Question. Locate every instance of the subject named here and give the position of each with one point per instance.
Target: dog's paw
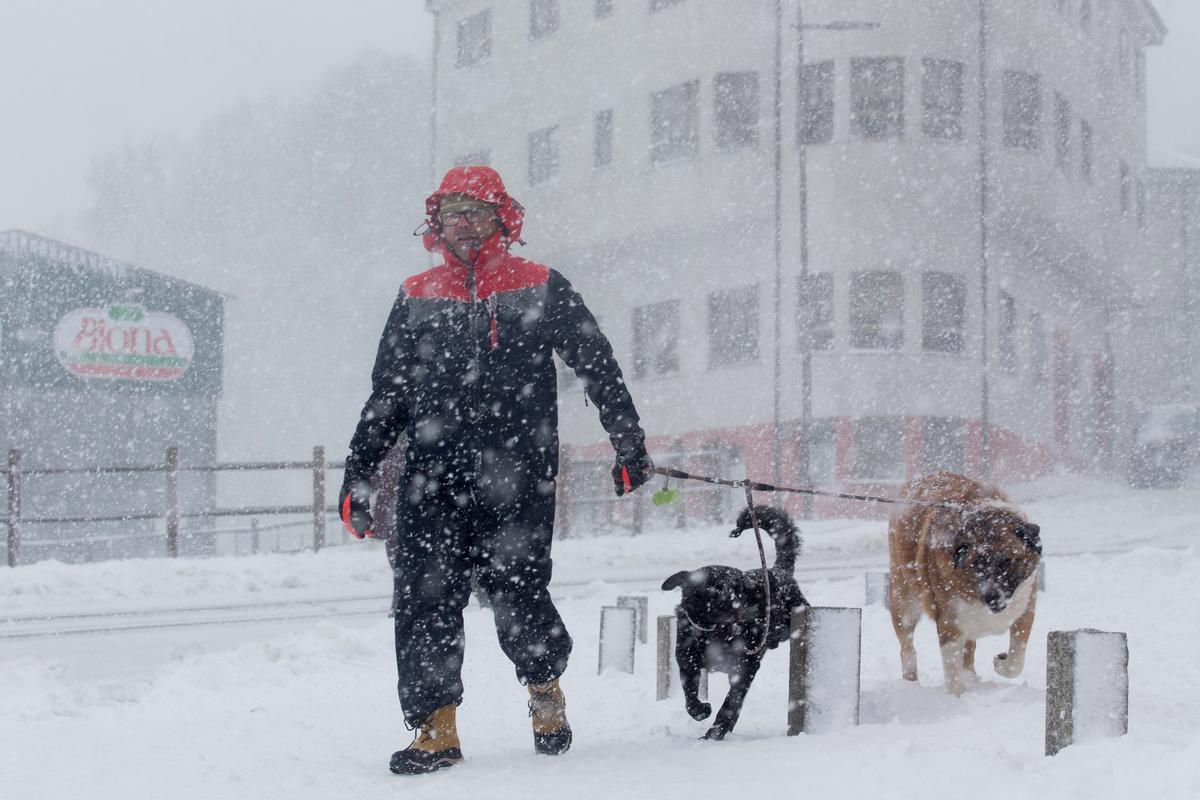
(1007, 667)
(714, 734)
(699, 710)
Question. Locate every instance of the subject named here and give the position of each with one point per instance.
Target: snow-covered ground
(273, 677)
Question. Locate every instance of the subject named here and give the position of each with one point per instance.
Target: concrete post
(1087, 687)
(618, 629)
(826, 653)
(641, 605)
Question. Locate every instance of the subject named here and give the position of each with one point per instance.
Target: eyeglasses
(473, 215)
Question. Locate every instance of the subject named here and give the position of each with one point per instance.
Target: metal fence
(170, 512)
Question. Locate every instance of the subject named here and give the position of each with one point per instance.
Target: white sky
(81, 76)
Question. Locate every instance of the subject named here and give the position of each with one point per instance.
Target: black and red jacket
(465, 366)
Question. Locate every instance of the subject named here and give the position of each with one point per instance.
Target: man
(465, 371)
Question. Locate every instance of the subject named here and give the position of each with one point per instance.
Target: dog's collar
(695, 624)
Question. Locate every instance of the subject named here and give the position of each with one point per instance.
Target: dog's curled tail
(779, 525)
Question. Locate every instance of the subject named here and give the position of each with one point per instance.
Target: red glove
(355, 507)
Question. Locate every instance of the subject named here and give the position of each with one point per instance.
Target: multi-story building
(840, 241)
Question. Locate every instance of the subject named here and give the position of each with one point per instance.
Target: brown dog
(969, 562)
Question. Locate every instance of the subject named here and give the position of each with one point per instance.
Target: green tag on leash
(665, 497)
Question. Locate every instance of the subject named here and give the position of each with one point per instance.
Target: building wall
(633, 232)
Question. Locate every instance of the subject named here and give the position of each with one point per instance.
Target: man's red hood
(481, 183)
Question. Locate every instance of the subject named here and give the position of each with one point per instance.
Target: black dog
(722, 618)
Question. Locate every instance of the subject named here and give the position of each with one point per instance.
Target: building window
(1062, 133)
(733, 327)
(736, 97)
(1022, 110)
(474, 39)
(816, 310)
(943, 311)
(877, 310)
(822, 453)
(602, 138)
(659, 5)
(815, 118)
(603, 8)
(941, 98)
(945, 444)
(656, 339)
(543, 18)
(543, 155)
(877, 449)
(877, 98)
(479, 158)
(1039, 352)
(675, 123)
(1086, 158)
(1007, 340)
(1125, 189)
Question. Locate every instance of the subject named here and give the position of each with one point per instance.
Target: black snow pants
(442, 537)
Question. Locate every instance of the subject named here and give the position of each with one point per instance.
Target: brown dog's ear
(676, 581)
(1030, 534)
(962, 548)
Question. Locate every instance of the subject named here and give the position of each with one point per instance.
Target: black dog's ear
(962, 548)
(1029, 534)
(677, 581)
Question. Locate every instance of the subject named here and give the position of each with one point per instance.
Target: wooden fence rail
(171, 514)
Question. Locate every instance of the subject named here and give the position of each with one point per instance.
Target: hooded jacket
(465, 365)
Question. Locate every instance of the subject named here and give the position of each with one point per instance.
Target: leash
(750, 487)
(758, 486)
(762, 557)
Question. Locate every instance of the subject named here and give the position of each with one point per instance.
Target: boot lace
(547, 708)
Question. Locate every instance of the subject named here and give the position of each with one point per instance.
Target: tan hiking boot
(548, 710)
(435, 746)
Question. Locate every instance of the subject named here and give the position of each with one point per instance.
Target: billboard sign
(123, 341)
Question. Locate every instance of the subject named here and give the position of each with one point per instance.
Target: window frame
(545, 18)
(1022, 110)
(645, 325)
(876, 118)
(602, 138)
(943, 332)
(1062, 133)
(735, 118)
(941, 121)
(811, 128)
(936, 428)
(893, 458)
(725, 308)
(870, 332)
(815, 297)
(543, 141)
(482, 53)
(1006, 331)
(670, 142)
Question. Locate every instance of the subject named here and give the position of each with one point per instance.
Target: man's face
(466, 224)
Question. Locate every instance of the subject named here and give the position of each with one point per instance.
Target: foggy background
(278, 152)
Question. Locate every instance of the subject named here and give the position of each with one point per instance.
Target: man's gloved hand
(631, 471)
(354, 504)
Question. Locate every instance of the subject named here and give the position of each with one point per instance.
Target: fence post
(666, 656)
(14, 504)
(172, 470)
(563, 491)
(318, 497)
(254, 543)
